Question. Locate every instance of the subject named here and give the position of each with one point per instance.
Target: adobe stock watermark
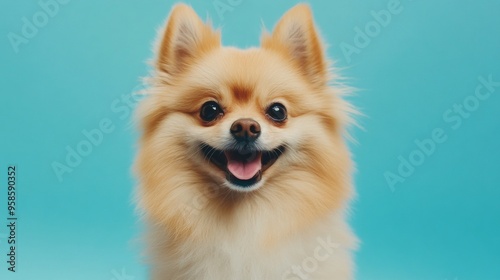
(324, 250)
(364, 36)
(453, 118)
(122, 275)
(122, 108)
(192, 209)
(31, 25)
(223, 6)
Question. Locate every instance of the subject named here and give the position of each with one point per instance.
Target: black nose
(245, 130)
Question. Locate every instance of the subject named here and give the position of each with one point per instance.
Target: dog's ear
(185, 38)
(296, 37)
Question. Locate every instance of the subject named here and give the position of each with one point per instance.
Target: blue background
(442, 222)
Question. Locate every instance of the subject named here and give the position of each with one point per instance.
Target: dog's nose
(245, 130)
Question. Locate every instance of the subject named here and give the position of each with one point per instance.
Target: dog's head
(261, 120)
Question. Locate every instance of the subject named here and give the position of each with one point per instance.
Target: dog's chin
(243, 169)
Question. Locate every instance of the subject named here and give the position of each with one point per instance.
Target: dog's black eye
(210, 111)
(277, 112)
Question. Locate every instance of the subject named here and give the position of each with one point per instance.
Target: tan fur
(199, 228)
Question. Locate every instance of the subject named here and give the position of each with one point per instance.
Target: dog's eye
(210, 111)
(277, 112)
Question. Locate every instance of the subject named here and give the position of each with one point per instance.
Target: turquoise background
(442, 222)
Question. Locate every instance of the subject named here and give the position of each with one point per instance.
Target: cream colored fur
(200, 226)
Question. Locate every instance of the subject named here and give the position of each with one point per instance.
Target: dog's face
(255, 120)
(243, 116)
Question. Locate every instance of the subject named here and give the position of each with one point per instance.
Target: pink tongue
(244, 170)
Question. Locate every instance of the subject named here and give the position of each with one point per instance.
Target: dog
(243, 168)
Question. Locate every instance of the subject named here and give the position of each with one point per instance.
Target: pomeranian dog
(243, 166)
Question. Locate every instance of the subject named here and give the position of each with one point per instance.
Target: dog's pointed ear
(185, 38)
(296, 37)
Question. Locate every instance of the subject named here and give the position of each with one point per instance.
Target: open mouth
(243, 168)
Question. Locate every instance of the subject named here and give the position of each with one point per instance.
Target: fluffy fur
(289, 225)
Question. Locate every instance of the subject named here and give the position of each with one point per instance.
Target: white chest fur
(324, 252)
